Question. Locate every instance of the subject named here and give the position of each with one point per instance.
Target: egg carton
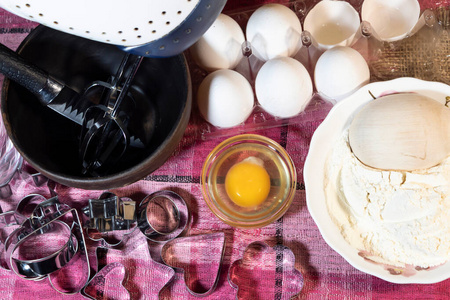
(420, 52)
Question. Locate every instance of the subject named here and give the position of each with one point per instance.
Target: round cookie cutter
(162, 216)
(38, 268)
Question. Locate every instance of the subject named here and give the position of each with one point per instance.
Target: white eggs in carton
(220, 46)
(225, 98)
(274, 30)
(281, 65)
(283, 87)
(340, 71)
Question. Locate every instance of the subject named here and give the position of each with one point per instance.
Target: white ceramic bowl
(324, 139)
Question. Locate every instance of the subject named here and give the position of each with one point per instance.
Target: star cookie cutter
(49, 220)
(199, 258)
(265, 273)
(162, 216)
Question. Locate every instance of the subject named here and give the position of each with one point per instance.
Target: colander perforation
(109, 21)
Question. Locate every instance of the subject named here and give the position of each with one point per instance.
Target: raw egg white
(225, 98)
(247, 183)
(274, 30)
(340, 71)
(283, 87)
(221, 45)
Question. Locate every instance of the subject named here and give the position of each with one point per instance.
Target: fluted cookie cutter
(162, 216)
(199, 258)
(265, 272)
(48, 218)
(110, 213)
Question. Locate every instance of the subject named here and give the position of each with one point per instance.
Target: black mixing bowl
(50, 142)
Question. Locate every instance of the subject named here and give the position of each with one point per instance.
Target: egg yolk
(247, 184)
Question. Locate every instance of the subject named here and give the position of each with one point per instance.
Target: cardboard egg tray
(422, 53)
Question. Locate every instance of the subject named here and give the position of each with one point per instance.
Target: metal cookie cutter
(201, 267)
(162, 216)
(114, 273)
(97, 284)
(15, 218)
(110, 213)
(48, 218)
(265, 272)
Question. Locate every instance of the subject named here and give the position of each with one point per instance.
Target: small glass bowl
(279, 166)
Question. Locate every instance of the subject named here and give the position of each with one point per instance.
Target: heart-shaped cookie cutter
(90, 290)
(203, 246)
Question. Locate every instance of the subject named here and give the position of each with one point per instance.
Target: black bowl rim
(125, 177)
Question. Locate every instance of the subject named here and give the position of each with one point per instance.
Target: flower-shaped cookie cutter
(265, 273)
(66, 244)
(199, 258)
(162, 216)
(110, 213)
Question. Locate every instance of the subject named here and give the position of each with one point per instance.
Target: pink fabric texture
(326, 274)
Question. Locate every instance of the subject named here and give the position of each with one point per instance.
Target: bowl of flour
(390, 224)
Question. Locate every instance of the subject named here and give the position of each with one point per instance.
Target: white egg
(225, 98)
(340, 71)
(274, 30)
(220, 47)
(283, 87)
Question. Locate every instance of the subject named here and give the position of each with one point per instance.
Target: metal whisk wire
(104, 136)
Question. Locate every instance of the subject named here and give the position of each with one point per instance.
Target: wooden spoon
(404, 131)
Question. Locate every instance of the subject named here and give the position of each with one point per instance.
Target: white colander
(142, 27)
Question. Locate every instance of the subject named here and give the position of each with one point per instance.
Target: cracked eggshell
(220, 47)
(274, 30)
(283, 87)
(225, 98)
(340, 71)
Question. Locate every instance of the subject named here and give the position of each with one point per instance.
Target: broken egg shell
(403, 131)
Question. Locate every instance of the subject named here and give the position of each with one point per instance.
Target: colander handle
(34, 79)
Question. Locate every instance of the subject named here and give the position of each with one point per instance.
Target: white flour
(401, 218)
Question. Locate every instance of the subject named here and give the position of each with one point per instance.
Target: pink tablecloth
(326, 274)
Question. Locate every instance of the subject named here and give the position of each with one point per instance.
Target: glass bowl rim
(249, 139)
